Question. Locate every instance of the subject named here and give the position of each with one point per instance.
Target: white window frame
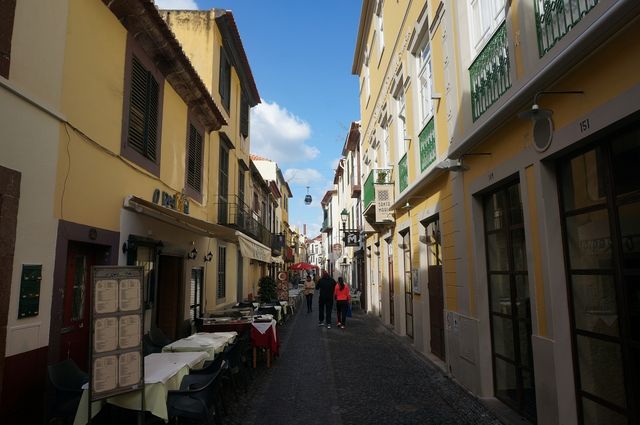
(485, 16)
(425, 84)
(380, 29)
(401, 119)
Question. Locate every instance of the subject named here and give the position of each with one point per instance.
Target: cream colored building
(504, 134)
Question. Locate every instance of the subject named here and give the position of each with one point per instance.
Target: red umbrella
(302, 266)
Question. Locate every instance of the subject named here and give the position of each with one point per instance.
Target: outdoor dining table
(211, 343)
(263, 335)
(162, 372)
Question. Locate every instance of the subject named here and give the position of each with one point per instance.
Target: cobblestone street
(359, 375)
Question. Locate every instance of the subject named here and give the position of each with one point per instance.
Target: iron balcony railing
(403, 173)
(376, 176)
(555, 18)
(277, 243)
(427, 140)
(235, 213)
(489, 73)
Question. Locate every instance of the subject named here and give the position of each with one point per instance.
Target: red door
(74, 340)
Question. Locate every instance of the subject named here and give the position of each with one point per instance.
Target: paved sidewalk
(355, 376)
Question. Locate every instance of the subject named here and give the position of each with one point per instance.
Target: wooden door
(170, 295)
(436, 311)
(74, 339)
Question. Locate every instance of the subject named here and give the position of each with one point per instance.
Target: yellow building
(111, 155)
(506, 136)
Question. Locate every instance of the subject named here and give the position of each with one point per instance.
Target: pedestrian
(325, 299)
(343, 298)
(309, 287)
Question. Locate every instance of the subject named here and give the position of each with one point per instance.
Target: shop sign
(337, 249)
(384, 198)
(178, 201)
(351, 238)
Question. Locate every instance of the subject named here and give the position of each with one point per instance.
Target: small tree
(267, 289)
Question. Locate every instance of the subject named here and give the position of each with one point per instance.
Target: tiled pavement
(359, 375)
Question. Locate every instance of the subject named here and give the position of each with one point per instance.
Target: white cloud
(177, 4)
(279, 135)
(303, 177)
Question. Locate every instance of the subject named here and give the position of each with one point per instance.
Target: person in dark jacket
(325, 301)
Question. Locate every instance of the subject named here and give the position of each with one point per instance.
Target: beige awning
(178, 219)
(253, 249)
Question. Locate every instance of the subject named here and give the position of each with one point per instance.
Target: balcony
(555, 18)
(277, 244)
(403, 173)
(427, 139)
(378, 196)
(376, 176)
(237, 215)
(327, 227)
(489, 73)
(356, 190)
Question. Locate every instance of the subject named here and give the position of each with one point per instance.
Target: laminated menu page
(106, 295)
(105, 334)
(129, 369)
(105, 374)
(129, 294)
(129, 335)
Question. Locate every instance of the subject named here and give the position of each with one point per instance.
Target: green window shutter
(225, 80)
(143, 111)
(194, 159)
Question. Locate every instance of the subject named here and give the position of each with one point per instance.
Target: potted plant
(267, 289)
(381, 177)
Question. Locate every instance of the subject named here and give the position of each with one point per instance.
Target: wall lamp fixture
(208, 257)
(193, 254)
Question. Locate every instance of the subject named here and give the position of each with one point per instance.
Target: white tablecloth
(210, 342)
(162, 372)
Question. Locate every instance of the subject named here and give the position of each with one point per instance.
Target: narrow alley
(363, 374)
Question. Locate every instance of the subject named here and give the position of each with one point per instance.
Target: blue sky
(300, 52)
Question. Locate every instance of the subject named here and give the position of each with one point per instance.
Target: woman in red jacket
(343, 297)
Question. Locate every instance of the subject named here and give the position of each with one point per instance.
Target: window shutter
(143, 111)
(225, 80)
(194, 155)
(244, 116)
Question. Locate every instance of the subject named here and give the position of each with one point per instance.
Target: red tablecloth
(268, 339)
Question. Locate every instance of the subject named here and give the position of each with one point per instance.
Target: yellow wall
(93, 178)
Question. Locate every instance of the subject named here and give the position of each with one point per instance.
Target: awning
(180, 220)
(277, 260)
(253, 249)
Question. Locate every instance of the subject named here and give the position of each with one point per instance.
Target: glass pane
(583, 181)
(524, 335)
(497, 252)
(632, 284)
(529, 394)
(601, 369)
(500, 294)
(523, 302)
(515, 205)
(519, 250)
(597, 414)
(79, 278)
(594, 304)
(506, 384)
(502, 332)
(626, 155)
(494, 210)
(589, 240)
(630, 229)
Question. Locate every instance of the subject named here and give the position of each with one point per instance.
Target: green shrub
(267, 289)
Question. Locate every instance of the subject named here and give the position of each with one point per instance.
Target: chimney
(304, 229)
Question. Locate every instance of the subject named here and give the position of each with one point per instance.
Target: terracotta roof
(142, 18)
(258, 158)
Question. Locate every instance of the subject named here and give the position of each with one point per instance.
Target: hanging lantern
(308, 199)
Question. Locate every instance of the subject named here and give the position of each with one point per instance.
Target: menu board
(116, 331)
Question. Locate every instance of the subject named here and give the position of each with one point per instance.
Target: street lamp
(344, 216)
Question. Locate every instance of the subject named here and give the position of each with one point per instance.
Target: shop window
(195, 292)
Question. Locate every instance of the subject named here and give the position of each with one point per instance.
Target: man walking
(325, 301)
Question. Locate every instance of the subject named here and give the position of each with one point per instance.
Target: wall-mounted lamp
(541, 120)
(208, 257)
(193, 254)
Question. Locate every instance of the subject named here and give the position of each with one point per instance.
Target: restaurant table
(211, 343)
(222, 324)
(162, 372)
(263, 335)
(279, 316)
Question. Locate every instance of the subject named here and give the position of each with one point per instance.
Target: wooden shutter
(143, 111)
(244, 116)
(225, 80)
(194, 159)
